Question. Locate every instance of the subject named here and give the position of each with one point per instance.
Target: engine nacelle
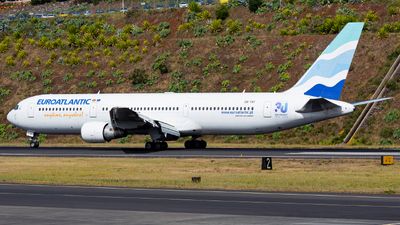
(100, 132)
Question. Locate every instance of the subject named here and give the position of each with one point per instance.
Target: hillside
(191, 51)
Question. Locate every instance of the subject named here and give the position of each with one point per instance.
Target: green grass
(341, 175)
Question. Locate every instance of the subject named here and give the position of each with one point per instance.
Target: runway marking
(395, 197)
(346, 153)
(200, 200)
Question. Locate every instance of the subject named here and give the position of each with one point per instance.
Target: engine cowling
(100, 132)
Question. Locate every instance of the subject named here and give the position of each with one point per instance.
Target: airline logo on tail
(326, 77)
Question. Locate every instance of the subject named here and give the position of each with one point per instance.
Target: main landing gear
(33, 139)
(195, 144)
(156, 145)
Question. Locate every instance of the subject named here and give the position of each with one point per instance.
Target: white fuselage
(190, 113)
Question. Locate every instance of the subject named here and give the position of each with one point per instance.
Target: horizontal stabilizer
(371, 101)
(317, 105)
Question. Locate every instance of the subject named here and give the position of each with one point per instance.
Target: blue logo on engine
(281, 107)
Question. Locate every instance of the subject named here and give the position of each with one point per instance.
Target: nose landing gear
(33, 139)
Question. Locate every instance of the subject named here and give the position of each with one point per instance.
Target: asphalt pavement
(40, 204)
(196, 153)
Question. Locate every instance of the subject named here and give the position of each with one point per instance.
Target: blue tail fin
(326, 77)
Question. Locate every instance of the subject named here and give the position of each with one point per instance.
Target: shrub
(269, 66)
(112, 63)
(333, 26)
(163, 25)
(276, 87)
(370, 16)
(253, 41)
(161, 63)
(222, 12)
(164, 33)
(10, 61)
(234, 26)
(236, 68)
(225, 84)
(392, 116)
(284, 67)
(47, 82)
(23, 75)
(204, 15)
(199, 31)
(178, 84)
(396, 133)
(254, 5)
(138, 77)
(67, 77)
(243, 58)
(223, 41)
(194, 7)
(185, 43)
(4, 92)
(284, 77)
(185, 26)
(216, 26)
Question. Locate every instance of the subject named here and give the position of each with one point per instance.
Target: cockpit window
(16, 107)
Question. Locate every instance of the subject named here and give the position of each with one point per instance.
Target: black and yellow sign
(387, 160)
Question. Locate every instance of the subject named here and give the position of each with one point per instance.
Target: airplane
(100, 118)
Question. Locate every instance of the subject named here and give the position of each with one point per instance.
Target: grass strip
(297, 175)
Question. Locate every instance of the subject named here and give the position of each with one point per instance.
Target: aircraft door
(31, 111)
(185, 109)
(267, 110)
(93, 109)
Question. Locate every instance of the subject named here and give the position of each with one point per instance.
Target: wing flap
(317, 105)
(127, 119)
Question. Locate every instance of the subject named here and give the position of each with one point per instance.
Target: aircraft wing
(126, 119)
(316, 105)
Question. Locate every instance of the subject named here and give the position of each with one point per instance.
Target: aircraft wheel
(34, 144)
(189, 144)
(164, 145)
(202, 144)
(149, 145)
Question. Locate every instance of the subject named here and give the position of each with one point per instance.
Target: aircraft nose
(11, 117)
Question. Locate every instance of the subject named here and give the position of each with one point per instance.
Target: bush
(396, 133)
(3, 93)
(284, 77)
(392, 116)
(334, 25)
(194, 7)
(236, 68)
(222, 12)
(185, 43)
(164, 33)
(138, 77)
(10, 61)
(223, 41)
(67, 77)
(234, 26)
(216, 26)
(161, 63)
(199, 31)
(253, 41)
(23, 75)
(254, 5)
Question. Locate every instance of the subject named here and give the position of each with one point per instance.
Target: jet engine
(100, 132)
